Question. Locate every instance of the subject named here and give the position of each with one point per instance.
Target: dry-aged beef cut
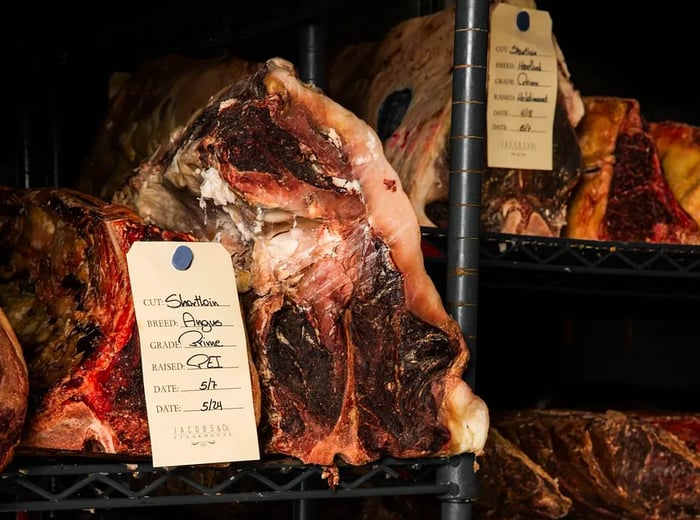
(356, 353)
(145, 107)
(513, 486)
(65, 289)
(612, 465)
(623, 195)
(685, 426)
(534, 202)
(14, 391)
(678, 145)
(402, 86)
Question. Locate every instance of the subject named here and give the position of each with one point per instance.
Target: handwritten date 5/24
(211, 405)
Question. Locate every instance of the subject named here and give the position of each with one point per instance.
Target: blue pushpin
(182, 258)
(522, 20)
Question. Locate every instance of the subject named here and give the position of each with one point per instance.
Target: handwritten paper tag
(522, 89)
(194, 353)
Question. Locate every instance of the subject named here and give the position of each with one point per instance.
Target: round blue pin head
(182, 258)
(522, 20)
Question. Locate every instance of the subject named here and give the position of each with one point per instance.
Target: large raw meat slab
(356, 353)
(65, 289)
(513, 486)
(14, 391)
(402, 86)
(612, 465)
(623, 195)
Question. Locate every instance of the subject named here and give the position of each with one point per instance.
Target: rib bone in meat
(356, 353)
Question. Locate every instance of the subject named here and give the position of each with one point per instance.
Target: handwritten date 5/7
(211, 405)
(208, 385)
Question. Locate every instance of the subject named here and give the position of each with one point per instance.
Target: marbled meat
(612, 465)
(356, 353)
(623, 195)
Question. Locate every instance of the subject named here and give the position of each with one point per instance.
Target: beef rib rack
(356, 353)
(65, 289)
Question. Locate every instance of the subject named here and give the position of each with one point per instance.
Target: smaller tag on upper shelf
(194, 353)
(521, 90)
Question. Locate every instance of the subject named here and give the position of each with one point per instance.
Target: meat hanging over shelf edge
(356, 353)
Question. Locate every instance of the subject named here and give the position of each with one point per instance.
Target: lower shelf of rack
(33, 486)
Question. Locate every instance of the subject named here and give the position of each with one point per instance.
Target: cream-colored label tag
(522, 89)
(194, 353)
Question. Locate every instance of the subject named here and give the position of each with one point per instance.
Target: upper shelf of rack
(568, 265)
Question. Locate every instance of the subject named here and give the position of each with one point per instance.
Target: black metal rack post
(467, 164)
(312, 53)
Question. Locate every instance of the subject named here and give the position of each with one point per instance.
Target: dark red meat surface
(356, 354)
(65, 287)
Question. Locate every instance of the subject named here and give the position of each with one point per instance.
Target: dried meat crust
(357, 355)
(66, 292)
(14, 391)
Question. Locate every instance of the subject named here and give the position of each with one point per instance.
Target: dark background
(629, 49)
(57, 61)
(536, 348)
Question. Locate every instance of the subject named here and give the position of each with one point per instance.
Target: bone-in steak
(623, 195)
(356, 353)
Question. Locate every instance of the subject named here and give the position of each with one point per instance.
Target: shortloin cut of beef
(14, 391)
(612, 465)
(623, 195)
(65, 289)
(356, 353)
(402, 86)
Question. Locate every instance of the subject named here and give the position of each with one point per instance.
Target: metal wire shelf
(569, 265)
(57, 485)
